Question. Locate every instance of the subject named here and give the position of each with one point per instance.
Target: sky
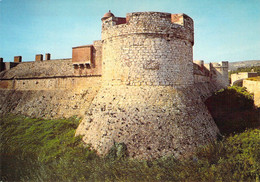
(225, 30)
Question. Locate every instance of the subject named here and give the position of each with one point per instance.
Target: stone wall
(241, 75)
(47, 89)
(149, 50)
(253, 87)
(49, 98)
(220, 74)
(200, 72)
(152, 121)
(213, 74)
(40, 69)
(52, 83)
(148, 99)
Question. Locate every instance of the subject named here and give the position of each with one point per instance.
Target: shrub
(233, 110)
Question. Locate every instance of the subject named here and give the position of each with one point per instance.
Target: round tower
(150, 48)
(147, 100)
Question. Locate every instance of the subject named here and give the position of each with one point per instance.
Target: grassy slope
(46, 150)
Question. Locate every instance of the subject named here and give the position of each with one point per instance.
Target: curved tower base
(152, 121)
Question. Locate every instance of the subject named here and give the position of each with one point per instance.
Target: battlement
(212, 72)
(169, 26)
(223, 64)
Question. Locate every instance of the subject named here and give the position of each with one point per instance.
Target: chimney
(47, 56)
(38, 57)
(1, 60)
(17, 59)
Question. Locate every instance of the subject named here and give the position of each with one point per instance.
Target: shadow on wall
(238, 83)
(233, 110)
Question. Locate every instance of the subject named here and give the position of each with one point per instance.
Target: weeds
(46, 150)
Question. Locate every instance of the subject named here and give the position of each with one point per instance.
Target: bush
(233, 110)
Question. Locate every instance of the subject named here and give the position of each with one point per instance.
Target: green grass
(46, 150)
(257, 78)
(35, 144)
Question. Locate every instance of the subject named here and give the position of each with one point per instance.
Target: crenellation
(17, 59)
(38, 57)
(149, 23)
(47, 56)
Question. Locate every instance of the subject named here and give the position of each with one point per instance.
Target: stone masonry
(147, 100)
(253, 86)
(138, 85)
(237, 78)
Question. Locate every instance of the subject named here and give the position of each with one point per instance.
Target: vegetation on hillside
(246, 69)
(233, 110)
(46, 150)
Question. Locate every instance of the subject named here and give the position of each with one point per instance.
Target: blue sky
(225, 30)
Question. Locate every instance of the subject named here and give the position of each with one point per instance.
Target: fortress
(138, 85)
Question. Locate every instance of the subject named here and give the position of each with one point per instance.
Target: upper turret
(147, 48)
(107, 15)
(171, 25)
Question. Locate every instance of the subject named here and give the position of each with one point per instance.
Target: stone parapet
(253, 87)
(161, 24)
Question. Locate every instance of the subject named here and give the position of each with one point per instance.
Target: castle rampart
(148, 99)
(137, 86)
(216, 73)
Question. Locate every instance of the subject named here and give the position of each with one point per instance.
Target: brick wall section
(93, 53)
(82, 54)
(47, 56)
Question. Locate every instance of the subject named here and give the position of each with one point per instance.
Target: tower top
(107, 15)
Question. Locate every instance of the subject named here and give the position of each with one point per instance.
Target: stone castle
(138, 85)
